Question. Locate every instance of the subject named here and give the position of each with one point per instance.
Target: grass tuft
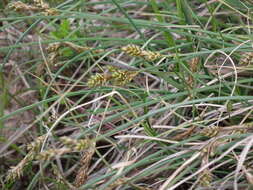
(117, 94)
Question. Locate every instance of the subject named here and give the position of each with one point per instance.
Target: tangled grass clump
(145, 95)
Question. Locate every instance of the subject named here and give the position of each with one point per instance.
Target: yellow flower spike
(111, 69)
(96, 80)
(121, 77)
(116, 77)
(134, 50)
(151, 56)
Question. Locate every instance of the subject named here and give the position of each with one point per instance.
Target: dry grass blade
(210, 163)
(172, 176)
(241, 160)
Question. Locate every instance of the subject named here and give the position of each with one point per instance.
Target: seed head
(96, 80)
(134, 50)
(211, 131)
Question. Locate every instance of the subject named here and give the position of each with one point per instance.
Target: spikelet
(39, 6)
(205, 178)
(35, 145)
(22, 7)
(81, 145)
(53, 47)
(247, 58)
(134, 50)
(97, 80)
(54, 53)
(211, 131)
(68, 141)
(112, 69)
(239, 131)
(71, 145)
(121, 77)
(193, 65)
(76, 145)
(17, 171)
(236, 129)
(151, 56)
(51, 153)
(82, 173)
(51, 12)
(117, 77)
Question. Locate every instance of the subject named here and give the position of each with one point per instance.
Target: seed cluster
(121, 77)
(82, 173)
(38, 6)
(17, 171)
(71, 145)
(116, 77)
(211, 131)
(247, 58)
(54, 53)
(76, 145)
(51, 153)
(97, 80)
(205, 178)
(134, 50)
